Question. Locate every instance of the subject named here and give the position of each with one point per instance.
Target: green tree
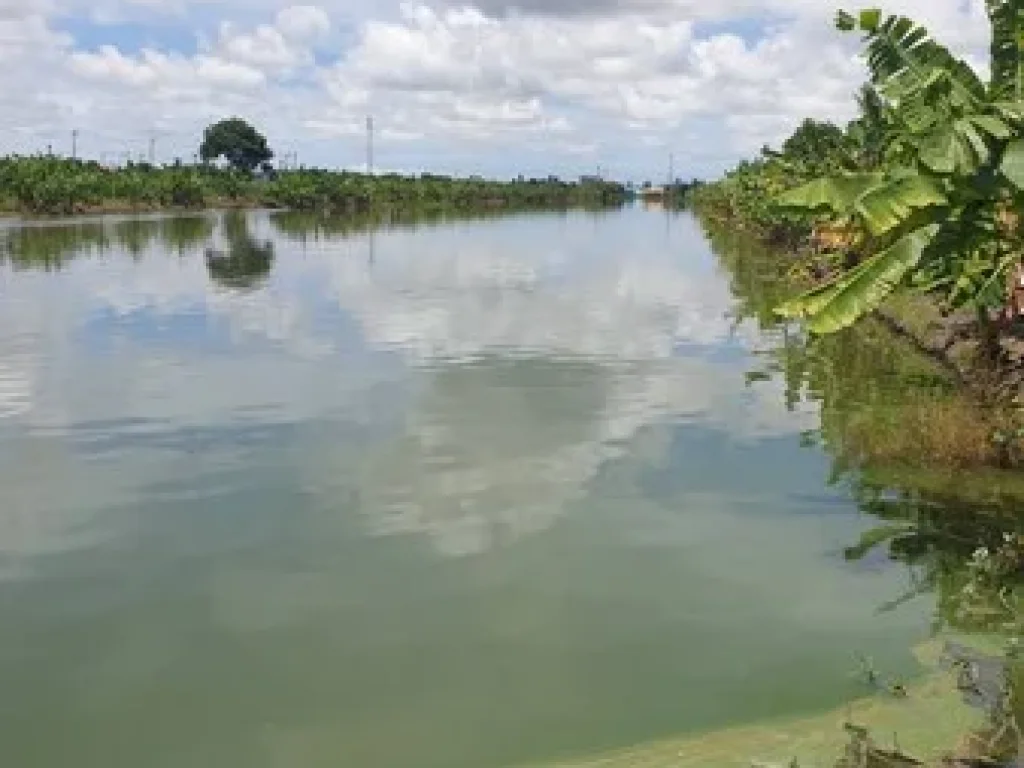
(238, 142)
(816, 146)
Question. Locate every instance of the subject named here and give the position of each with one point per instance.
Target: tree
(815, 146)
(239, 143)
(939, 211)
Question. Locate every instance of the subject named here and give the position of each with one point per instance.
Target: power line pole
(369, 144)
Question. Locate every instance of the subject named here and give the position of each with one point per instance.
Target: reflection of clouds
(19, 356)
(537, 357)
(493, 452)
(487, 462)
(169, 287)
(446, 304)
(15, 384)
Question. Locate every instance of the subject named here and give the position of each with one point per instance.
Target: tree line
(244, 177)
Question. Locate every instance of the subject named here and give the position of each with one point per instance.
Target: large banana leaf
(962, 146)
(860, 291)
(1012, 166)
(897, 46)
(837, 193)
(883, 203)
(1010, 110)
(885, 207)
(1007, 61)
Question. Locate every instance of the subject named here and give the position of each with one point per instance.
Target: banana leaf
(861, 290)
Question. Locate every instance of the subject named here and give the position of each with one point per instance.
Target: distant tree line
(44, 184)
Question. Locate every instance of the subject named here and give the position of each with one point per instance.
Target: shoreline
(929, 724)
(213, 206)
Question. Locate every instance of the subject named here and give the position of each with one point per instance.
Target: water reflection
(53, 245)
(877, 397)
(247, 261)
(354, 497)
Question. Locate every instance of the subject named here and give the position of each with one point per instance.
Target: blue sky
(496, 87)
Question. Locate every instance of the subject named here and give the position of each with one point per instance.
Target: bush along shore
(911, 212)
(45, 185)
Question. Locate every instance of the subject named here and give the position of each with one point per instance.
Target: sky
(628, 88)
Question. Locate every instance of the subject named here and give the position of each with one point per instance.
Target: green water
(458, 495)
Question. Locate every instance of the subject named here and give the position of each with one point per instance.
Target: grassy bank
(59, 186)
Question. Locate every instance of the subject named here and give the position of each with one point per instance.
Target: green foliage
(861, 290)
(48, 185)
(238, 142)
(1007, 19)
(924, 178)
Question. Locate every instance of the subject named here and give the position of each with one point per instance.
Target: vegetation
(894, 421)
(44, 184)
(920, 193)
(49, 185)
(53, 247)
(236, 141)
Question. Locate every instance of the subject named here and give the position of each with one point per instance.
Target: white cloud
(523, 84)
(303, 23)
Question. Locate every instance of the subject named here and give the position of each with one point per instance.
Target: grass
(949, 432)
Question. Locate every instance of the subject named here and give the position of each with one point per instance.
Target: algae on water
(927, 723)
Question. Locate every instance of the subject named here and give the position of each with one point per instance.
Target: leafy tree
(239, 143)
(939, 211)
(816, 146)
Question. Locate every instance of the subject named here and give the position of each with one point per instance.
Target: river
(277, 491)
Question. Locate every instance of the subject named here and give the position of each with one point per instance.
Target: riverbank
(58, 186)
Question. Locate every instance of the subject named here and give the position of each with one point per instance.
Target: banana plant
(953, 165)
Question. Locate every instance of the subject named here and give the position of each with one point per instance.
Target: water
(467, 494)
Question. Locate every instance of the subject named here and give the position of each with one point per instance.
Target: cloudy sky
(497, 87)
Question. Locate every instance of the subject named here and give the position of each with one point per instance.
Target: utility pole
(74, 144)
(369, 144)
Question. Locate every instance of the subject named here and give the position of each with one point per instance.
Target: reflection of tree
(51, 248)
(304, 226)
(136, 235)
(247, 261)
(936, 534)
(185, 233)
(883, 411)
